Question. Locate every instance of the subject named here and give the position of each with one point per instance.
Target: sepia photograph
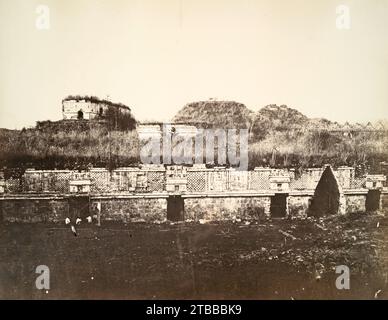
(193, 150)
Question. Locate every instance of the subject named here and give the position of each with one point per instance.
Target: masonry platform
(156, 193)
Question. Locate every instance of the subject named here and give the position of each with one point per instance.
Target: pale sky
(155, 56)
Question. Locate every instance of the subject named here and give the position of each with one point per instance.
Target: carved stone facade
(202, 193)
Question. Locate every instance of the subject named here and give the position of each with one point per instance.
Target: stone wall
(90, 109)
(134, 208)
(131, 209)
(227, 207)
(153, 207)
(355, 203)
(56, 209)
(384, 201)
(298, 205)
(153, 178)
(33, 209)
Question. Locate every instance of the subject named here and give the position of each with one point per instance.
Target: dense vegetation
(283, 137)
(279, 137)
(95, 99)
(119, 121)
(215, 114)
(73, 149)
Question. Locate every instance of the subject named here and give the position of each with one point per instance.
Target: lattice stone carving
(196, 181)
(155, 181)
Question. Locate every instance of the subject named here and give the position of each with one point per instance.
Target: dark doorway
(278, 207)
(78, 207)
(326, 196)
(372, 202)
(175, 208)
(80, 115)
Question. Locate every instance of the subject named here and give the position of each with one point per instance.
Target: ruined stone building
(189, 193)
(77, 107)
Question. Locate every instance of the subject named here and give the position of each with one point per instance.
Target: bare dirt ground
(275, 259)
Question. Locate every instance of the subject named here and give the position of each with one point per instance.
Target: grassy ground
(277, 259)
